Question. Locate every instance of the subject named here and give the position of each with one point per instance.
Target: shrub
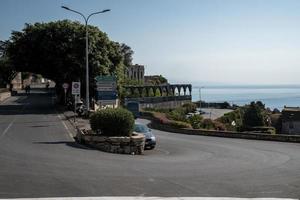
(195, 121)
(177, 114)
(207, 124)
(179, 124)
(112, 122)
(189, 107)
(219, 126)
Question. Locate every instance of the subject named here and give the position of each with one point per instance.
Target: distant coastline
(217, 86)
(273, 96)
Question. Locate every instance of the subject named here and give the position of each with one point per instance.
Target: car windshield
(140, 128)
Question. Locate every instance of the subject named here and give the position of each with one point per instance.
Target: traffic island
(134, 144)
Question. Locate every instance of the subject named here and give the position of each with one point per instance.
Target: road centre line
(12, 122)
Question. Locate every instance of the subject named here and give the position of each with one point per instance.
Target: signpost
(76, 93)
(106, 90)
(65, 86)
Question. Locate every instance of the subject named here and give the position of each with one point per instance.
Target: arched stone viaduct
(169, 95)
(168, 90)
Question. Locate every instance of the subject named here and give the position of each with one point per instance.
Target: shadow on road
(68, 143)
(39, 101)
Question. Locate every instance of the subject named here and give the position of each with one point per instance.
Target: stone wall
(4, 95)
(291, 127)
(227, 134)
(166, 104)
(161, 102)
(122, 145)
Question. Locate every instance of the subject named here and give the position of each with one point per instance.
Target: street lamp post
(200, 97)
(86, 19)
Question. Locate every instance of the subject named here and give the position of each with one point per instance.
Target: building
(136, 72)
(17, 81)
(291, 120)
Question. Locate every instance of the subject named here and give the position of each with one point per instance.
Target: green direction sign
(105, 78)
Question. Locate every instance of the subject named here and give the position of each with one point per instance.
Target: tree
(7, 71)
(253, 116)
(127, 53)
(56, 50)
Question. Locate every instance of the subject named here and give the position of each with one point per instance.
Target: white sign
(76, 88)
(107, 102)
(65, 85)
(77, 99)
(105, 88)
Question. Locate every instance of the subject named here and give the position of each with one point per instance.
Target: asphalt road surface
(38, 158)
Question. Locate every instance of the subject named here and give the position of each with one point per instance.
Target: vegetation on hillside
(253, 117)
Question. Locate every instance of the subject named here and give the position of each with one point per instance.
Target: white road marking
(149, 198)
(66, 127)
(8, 127)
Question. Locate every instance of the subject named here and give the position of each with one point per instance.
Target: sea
(272, 96)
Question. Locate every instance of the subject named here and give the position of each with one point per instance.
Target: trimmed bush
(112, 122)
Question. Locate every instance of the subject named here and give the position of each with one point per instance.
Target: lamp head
(65, 7)
(106, 10)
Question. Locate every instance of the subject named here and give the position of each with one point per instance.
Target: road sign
(107, 102)
(106, 90)
(76, 88)
(65, 85)
(105, 78)
(106, 95)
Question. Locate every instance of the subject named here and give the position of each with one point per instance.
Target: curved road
(38, 158)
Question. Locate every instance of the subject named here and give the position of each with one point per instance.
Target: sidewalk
(79, 122)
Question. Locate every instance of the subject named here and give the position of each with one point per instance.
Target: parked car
(150, 141)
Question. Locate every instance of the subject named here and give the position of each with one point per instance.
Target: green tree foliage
(253, 116)
(56, 50)
(157, 80)
(7, 71)
(233, 120)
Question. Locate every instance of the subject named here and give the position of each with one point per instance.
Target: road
(214, 113)
(38, 158)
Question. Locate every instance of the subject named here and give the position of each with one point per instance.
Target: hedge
(112, 122)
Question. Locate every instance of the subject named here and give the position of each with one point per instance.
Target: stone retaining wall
(122, 145)
(4, 95)
(228, 134)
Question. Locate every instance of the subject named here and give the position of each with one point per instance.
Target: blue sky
(198, 41)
